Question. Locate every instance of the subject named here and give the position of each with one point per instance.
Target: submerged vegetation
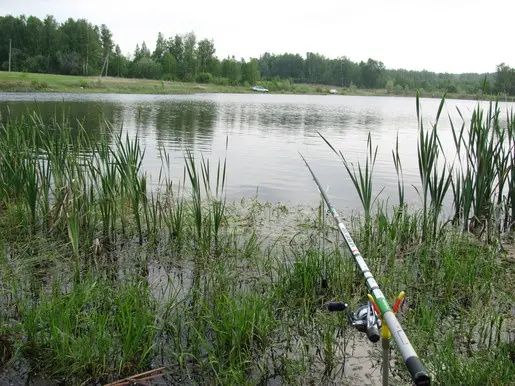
(103, 277)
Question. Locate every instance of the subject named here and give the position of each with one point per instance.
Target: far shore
(30, 82)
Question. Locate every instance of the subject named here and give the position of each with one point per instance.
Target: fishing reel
(365, 319)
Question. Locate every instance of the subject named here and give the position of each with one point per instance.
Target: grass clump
(96, 330)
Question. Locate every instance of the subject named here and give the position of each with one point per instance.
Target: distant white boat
(259, 89)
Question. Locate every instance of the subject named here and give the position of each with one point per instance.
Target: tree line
(77, 47)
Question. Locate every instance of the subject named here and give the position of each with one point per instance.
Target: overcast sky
(438, 35)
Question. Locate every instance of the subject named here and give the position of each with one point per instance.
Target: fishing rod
(322, 232)
(411, 359)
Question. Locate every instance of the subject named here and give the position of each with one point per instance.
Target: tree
(160, 49)
(371, 73)
(315, 67)
(505, 79)
(205, 55)
(147, 68)
(144, 52)
(189, 56)
(107, 45)
(250, 71)
(69, 63)
(176, 49)
(13, 29)
(36, 63)
(50, 43)
(265, 65)
(137, 52)
(83, 38)
(231, 70)
(34, 36)
(170, 66)
(120, 65)
(80, 48)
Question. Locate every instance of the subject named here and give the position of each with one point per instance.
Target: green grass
(95, 328)
(31, 82)
(101, 278)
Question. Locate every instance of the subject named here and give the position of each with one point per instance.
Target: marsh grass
(102, 278)
(484, 178)
(94, 328)
(208, 217)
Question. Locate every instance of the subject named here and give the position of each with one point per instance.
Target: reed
(434, 183)
(216, 299)
(483, 182)
(510, 202)
(362, 179)
(398, 169)
(128, 157)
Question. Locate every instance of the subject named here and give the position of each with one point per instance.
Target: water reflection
(265, 134)
(90, 116)
(182, 123)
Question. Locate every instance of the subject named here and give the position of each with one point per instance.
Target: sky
(455, 36)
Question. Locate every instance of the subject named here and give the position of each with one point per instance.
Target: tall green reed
(510, 124)
(208, 217)
(216, 197)
(128, 157)
(398, 169)
(175, 216)
(105, 178)
(434, 183)
(482, 183)
(196, 198)
(363, 177)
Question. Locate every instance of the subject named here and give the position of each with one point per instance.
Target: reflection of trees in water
(143, 117)
(370, 120)
(281, 116)
(269, 117)
(90, 116)
(230, 112)
(185, 122)
(294, 119)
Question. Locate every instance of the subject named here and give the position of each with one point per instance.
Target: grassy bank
(29, 82)
(102, 278)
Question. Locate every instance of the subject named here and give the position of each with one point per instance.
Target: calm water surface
(265, 134)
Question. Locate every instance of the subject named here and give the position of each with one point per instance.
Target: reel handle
(336, 306)
(373, 334)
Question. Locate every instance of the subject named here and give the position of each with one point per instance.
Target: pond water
(261, 136)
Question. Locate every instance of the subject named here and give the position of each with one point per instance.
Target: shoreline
(17, 82)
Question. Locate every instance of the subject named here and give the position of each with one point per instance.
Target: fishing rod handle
(418, 372)
(413, 363)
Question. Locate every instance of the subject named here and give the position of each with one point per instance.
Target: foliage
(146, 68)
(76, 47)
(505, 79)
(204, 77)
